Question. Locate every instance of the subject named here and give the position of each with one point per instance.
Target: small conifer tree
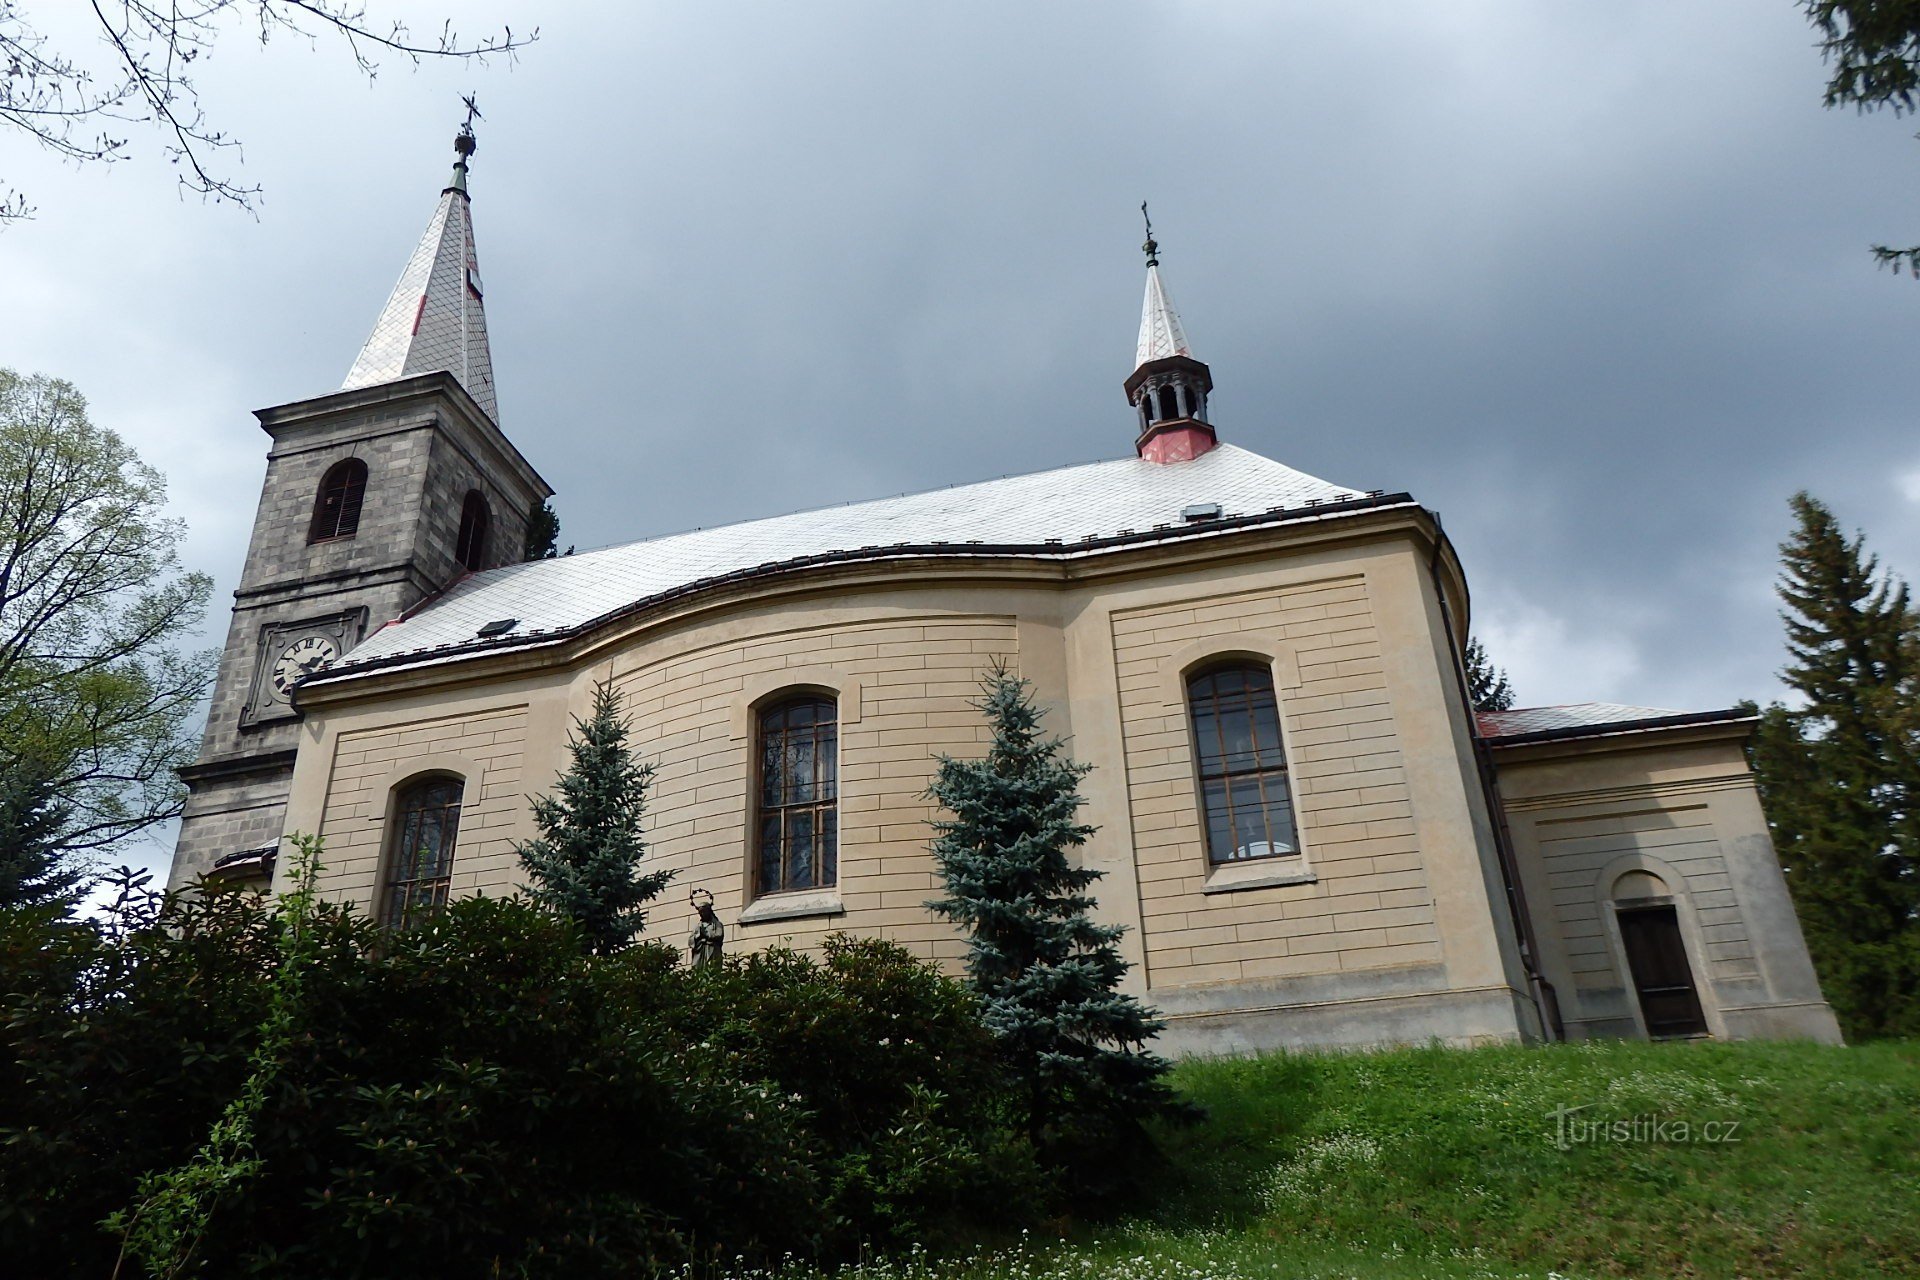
(1487, 685)
(34, 869)
(585, 865)
(543, 533)
(1046, 973)
(1840, 774)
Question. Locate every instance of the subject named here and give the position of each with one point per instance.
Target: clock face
(302, 658)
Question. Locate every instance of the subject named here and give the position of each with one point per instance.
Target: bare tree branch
(71, 107)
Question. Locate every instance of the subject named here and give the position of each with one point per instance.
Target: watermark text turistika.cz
(1572, 1129)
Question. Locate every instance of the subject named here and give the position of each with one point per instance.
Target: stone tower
(377, 496)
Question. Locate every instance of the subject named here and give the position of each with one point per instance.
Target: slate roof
(1060, 514)
(435, 317)
(1580, 719)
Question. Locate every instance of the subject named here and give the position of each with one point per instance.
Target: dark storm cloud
(1590, 280)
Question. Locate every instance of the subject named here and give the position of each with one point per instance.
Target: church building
(1309, 835)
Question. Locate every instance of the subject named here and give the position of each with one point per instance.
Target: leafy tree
(1874, 49)
(73, 103)
(585, 865)
(1047, 974)
(1840, 774)
(92, 603)
(32, 872)
(264, 1091)
(1487, 685)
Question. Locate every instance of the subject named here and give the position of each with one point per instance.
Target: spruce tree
(1046, 973)
(1840, 774)
(35, 869)
(586, 863)
(1487, 685)
(543, 533)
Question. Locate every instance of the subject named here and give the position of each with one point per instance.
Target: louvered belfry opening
(336, 510)
(471, 548)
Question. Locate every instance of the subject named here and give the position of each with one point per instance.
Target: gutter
(1546, 1001)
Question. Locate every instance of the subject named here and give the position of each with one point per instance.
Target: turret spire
(435, 319)
(1168, 387)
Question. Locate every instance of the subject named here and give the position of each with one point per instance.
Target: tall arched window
(336, 511)
(1244, 793)
(426, 824)
(471, 549)
(1169, 405)
(797, 846)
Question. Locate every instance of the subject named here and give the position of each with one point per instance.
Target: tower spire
(1168, 387)
(435, 318)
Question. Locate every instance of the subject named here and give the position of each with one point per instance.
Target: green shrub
(480, 1096)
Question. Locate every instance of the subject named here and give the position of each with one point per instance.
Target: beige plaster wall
(485, 746)
(903, 683)
(1367, 903)
(1681, 805)
(1396, 899)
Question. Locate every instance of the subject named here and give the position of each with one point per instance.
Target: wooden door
(1657, 957)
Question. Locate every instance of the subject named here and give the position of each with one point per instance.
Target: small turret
(1168, 387)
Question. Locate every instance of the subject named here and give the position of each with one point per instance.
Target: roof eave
(489, 659)
(1730, 722)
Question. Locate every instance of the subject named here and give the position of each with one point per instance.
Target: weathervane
(1153, 249)
(464, 142)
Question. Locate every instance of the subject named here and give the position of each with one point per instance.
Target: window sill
(794, 906)
(1262, 874)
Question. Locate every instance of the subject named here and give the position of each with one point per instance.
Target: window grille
(1245, 796)
(797, 845)
(420, 853)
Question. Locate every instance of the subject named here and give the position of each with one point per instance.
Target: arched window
(471, 549)
(1244, 793)
(336, 512)
(426, 824)
(797, 846)
(1169, 405)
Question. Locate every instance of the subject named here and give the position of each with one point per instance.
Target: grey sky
(1590, 280)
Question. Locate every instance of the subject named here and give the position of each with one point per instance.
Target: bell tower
(1168, 388)
(377, 495)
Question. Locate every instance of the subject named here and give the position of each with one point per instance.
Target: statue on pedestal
(703, 944)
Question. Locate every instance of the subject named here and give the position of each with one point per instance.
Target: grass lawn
(1450, 1163)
